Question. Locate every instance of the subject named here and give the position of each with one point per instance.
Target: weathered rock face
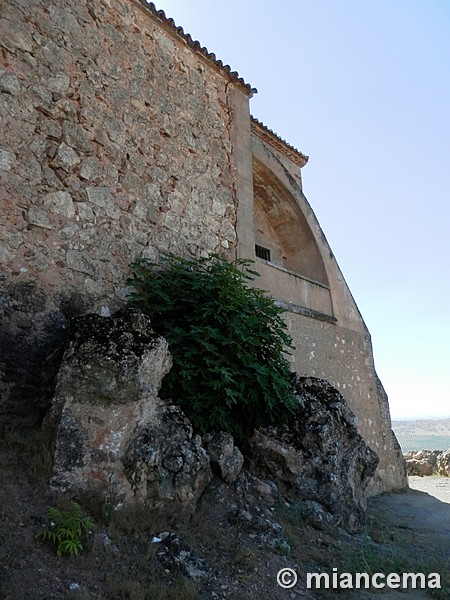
(319, 455)
(422, 468)
(428, 462)
(443, 464)
(32, 332)
(113, 435)
(422, 463)
(166, 466)
(226, 458)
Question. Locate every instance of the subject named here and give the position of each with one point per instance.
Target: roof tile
(279, 143)
(195, 45)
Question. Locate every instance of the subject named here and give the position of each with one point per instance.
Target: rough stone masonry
(116, 144)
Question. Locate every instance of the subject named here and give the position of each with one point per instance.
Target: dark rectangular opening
(262, 252)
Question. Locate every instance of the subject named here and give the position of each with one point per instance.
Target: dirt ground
(424, 514)
(424, 510)
(232, 549)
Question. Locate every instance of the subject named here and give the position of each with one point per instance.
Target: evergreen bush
(228, 342)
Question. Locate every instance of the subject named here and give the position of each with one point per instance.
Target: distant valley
(423, 434)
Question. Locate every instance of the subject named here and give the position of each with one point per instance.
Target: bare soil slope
(231, 549)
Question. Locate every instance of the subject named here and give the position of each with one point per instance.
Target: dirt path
(439, 487)
(423, 514)
(425, 510)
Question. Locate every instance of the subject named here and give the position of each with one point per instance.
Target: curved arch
(281, 226)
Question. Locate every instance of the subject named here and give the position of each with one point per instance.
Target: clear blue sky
(363, 88)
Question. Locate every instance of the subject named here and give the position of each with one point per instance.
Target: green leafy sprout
(228, 341)
(66, 529)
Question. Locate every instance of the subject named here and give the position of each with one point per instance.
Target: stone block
(60, 203)
(76, 137)
(10, 84)
(66, 158)
(39, 217)
(79, 261)
(7, 160)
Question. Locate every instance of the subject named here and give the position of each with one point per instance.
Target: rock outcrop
(113, 435)
(319, 455)
(115, 438)
(428, 462)
(443, 464)
(226, 458)
(422, 463)
(32, 330)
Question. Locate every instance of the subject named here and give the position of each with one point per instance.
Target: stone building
(123, 137)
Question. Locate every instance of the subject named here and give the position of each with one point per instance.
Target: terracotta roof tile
(195, 45)
(258, 128)
(275, 140)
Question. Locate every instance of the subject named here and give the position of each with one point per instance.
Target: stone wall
(123, 138)
(329, 334)
(118, 142)
(344, 358)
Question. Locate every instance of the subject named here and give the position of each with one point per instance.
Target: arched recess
(281, 227)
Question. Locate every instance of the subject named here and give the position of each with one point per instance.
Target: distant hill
(423, 426)
(423, 434)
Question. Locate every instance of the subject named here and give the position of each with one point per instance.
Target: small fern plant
(66, 529)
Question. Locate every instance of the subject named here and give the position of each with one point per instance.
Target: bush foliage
(227, 340)
(65, 529)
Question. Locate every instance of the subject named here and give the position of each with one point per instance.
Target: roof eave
(195, 45)
(267, 135)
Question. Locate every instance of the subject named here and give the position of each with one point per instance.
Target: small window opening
(262, 252)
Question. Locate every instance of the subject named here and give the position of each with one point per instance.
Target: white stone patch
(211, 242)
(7, 159)
(10, 84)
(39, 217)
(60, 203)
(100, 196)
(150, 253)
(90, 169)
(140, 212)
(85, 211)
(60, 83)
(218, 208)
(228, 231)
(66, 157)
(227, 145)
(68, 231)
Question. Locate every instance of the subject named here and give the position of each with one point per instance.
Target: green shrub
(66, 529)
(227, 340)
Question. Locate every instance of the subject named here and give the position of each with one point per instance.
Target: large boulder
(113, 436)
(167, 468)
(422, 463)
(319, 454)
